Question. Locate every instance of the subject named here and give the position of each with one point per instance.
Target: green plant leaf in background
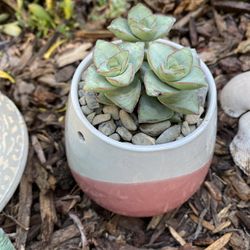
(68, 8)
(11, 29)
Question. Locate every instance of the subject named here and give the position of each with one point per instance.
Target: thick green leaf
(194, 80)
(144, 29)
(155, 87)
(126, 97)
(103, 51)
(115, 65)
(177, 65)
(144, 68)
(150, 110)
(123, 79)
(120, 28)
(136, 53)
(5, 243)
(101, 98)
(163, 25)
(138, 12)
(95, 82)
(196, 59)
(142, 22)
(157, 54)
(184, 102)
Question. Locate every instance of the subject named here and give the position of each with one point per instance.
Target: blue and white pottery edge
(13, 149)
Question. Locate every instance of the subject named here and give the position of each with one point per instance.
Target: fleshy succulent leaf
(155, 87)
(126, 97)
(103, 51)
(101, 98)
(138, 12)
(144, 29)
(194, 80)
(142, 22)
(150, 110)
(123, 79)
(184, 102)
(136, 53)
(5, 243)
(163, 25)
(95, 82)
(177, 65)
(196, 59)
(157, 54)
(120, 28)
(115, 65)
(144, 68)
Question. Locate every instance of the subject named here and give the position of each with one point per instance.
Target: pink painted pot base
(143, 199)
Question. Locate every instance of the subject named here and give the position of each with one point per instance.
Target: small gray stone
(192, 128)
(127, 120)
(86, 110)
(101, 118)
(155, 129)
(169, 135)
(99, 110)
(118, 123)
(107, 128)
(185, 129)
(80, 93)
(124, 133)
(91, 116)
(179, 137)
(91, 100)
(80, 85)
(113, 110)
(193, 119)
(115, 137)
(176, 118)
(143, 139)
(82, 101)
(199, 122)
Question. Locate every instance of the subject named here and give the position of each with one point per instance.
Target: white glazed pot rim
(212, 102)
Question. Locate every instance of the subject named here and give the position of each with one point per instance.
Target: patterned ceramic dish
(13, 148)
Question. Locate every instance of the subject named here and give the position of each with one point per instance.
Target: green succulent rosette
(174, 76)
(114, 73)
(141, 25)
(171, 77)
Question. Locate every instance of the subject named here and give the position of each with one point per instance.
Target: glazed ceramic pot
(138, 180)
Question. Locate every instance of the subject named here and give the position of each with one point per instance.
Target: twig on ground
(79, 225)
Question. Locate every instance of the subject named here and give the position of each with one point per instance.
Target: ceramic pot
(138, 180)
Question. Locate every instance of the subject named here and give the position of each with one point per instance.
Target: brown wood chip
(220, 243)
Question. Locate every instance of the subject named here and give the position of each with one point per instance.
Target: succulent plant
(171, 77)
(114, 72)
(5, 243)
(142, 25)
